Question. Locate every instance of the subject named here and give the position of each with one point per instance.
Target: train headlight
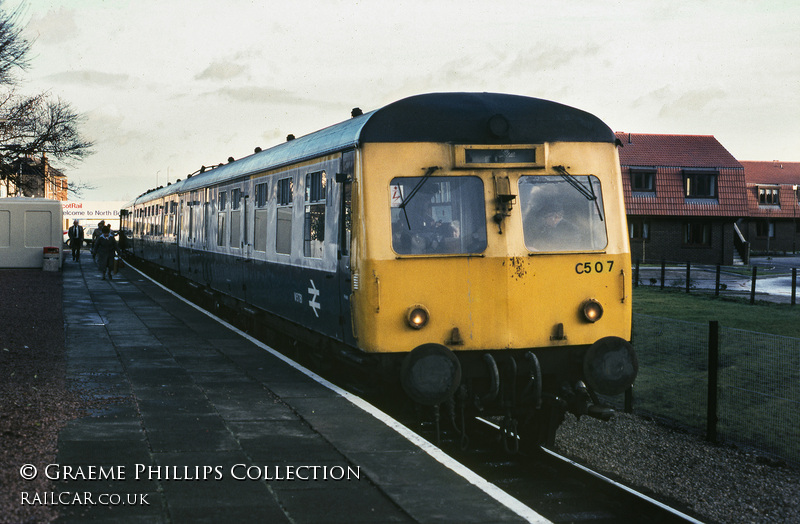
(417, 316)
(592, 310)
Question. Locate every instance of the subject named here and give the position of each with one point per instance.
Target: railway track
(556, 487)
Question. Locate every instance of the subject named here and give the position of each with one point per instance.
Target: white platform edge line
(624, 487)
(470, 476)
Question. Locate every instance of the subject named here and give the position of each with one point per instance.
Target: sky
(165, 86)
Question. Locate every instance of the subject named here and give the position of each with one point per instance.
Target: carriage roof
(459, 118)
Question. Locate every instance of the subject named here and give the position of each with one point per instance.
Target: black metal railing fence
(777, 284)
(733, 385)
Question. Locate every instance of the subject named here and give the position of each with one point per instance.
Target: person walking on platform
(96, 234)
(75, 239)
(104, 249)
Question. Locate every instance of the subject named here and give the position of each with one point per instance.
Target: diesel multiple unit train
(469, 247)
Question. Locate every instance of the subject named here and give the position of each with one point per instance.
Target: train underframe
(527, 391)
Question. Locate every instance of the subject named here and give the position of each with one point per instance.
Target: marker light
(417, 316)
(592, 310)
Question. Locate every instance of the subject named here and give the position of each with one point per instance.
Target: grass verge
(763, 317)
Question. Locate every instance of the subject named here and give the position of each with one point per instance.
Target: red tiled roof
(785, 175)
(640, 149)
(775, 172)
(669, 155)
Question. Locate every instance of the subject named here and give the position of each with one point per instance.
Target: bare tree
(13, 47)
(32, 127)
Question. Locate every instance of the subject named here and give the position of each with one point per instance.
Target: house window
(765, 228)
(639, 229)
(643, 181)
(700, 185)
(223, 200)
(768, 196)
(697, 234)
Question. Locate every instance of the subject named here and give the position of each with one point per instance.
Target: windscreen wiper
(405, 201)
(574, 182)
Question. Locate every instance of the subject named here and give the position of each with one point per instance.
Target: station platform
(196, 422)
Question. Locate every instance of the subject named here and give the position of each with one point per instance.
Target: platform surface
(197, 423)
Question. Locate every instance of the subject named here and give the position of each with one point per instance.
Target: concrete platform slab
(211, 426)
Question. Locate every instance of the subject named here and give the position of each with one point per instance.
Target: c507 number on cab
(584, 268)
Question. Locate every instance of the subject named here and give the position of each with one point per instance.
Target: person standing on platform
(75, 239)
(104, 249)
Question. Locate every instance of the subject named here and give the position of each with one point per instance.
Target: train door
(236, 241)
(246, 244)
(179, 235)
(206, 234)
(345, 179)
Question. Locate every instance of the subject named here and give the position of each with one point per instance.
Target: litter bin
(51, 258)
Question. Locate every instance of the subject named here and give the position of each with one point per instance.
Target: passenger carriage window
(438, 215)
(261, 194)
(173, 208)
(558, 215)
(283, 237)
(261, 218)
(192, 203)
(222, 201)
(220, 229)
(236, 218)
(236, 198)
(314, 223)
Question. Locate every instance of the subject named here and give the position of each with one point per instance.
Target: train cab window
(283, 237)
(562, 214)
(438, 215)
(314, 223)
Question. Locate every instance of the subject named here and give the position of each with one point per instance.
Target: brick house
(773, 192)
(683, 196)
(37, 179)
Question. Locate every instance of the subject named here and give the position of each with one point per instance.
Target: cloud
(222, 71)
(53, 27)
(692, 102)
(549, 58)
(89, 78)
(107, 126)
(260, 95)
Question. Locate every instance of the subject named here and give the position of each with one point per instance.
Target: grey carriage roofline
(457, 118)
